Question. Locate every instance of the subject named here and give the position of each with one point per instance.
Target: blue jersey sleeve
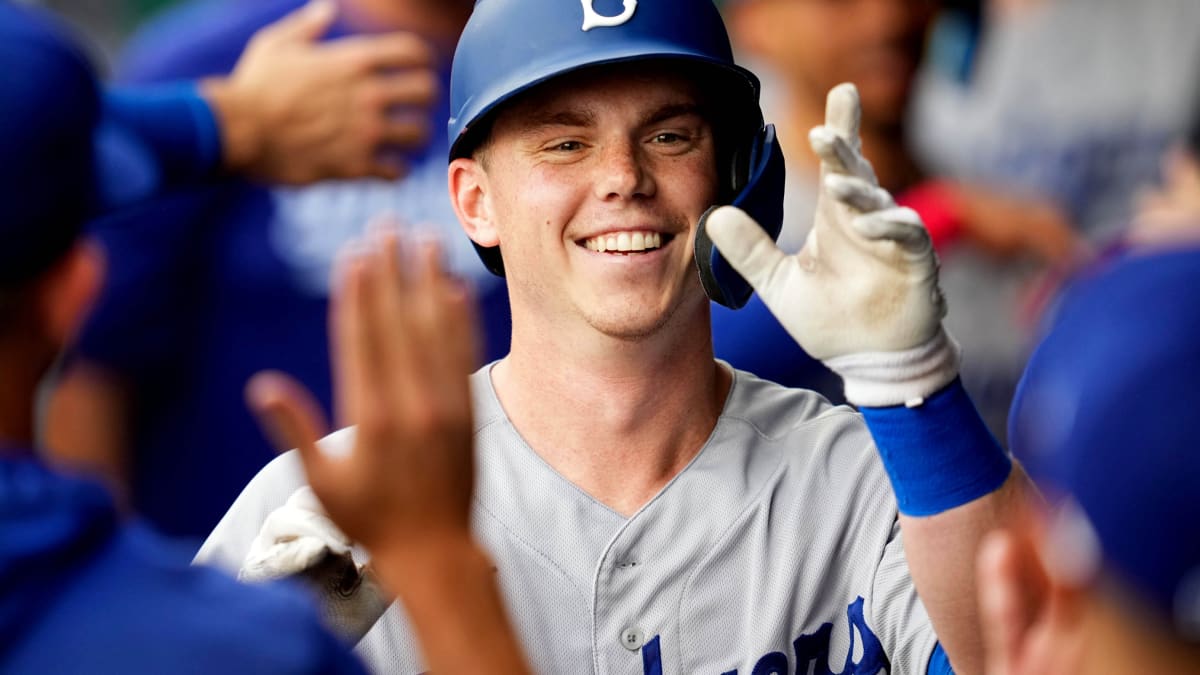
(151, 138)
(939, 663)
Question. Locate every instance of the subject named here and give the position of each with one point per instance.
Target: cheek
(536, 206)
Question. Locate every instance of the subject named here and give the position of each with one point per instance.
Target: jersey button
(631, 639)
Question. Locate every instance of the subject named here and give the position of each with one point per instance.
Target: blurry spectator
(804, 47)
(1105, 577)
(1071, 100)
(238, 279)
(1074, 99)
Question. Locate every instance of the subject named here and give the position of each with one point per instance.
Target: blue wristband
(938, 455)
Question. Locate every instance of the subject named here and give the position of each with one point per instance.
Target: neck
(883, 144)
(18, 391)
(627, 415)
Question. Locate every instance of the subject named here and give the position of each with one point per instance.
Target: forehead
(639, 87)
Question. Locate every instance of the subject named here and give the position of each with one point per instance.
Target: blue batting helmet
(511, 46)
(1105, 414)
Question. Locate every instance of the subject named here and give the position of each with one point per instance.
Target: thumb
(306, 23)
(1002, 617)
(288, 414)
(745, 245)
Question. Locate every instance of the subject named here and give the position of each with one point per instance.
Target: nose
(622, 173)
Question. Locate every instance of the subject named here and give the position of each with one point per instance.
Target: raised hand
(404, 341)
(862, 294)
(296, 109)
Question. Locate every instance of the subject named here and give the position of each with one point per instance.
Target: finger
(404, 133)
(306, 23)
(843, 113)
(899, 224)
(410, 88)
(390, 321)
(858, 193)
(365, 53)
(461, 325)
(1000, 612)
(387, 169)
(348, 343)
(430, 330)
(745, 245)
(838, 156)
(288, 414)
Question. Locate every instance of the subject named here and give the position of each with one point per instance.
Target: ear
(471, 199)
(1030, 619)
(65, 293)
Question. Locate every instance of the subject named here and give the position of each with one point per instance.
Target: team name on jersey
(811, 652)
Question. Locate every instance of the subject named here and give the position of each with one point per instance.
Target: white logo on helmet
(593, 19)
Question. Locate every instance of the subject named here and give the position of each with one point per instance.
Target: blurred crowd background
(1031, 135)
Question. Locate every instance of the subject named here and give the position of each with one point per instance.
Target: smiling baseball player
(649, 509)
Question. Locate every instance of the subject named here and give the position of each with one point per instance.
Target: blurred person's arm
(1000, 224)
(294, 110)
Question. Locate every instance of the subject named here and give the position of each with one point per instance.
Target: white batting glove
(298, 540)
(862, 294)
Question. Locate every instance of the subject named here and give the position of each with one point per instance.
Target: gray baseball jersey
(776, 550)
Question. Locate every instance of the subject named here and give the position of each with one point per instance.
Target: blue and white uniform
(775, 550)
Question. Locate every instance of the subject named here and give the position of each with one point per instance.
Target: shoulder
(773, 411)
(146, 610)
(197, 39)
(820, 448)
(228, 543)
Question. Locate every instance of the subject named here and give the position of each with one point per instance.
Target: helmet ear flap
(756, 177)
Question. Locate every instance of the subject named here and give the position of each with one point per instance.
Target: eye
(669, 137)
(567, 146)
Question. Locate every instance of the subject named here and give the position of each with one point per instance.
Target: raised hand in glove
(862, 294)
(298, 540)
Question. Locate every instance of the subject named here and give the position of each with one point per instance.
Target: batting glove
(298, 540)
(862, 294)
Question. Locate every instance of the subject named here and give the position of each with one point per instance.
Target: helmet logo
(593, 19)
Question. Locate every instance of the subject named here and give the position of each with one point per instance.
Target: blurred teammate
(647, 508)
(79, 591)
(1105, 577)
(240, 280)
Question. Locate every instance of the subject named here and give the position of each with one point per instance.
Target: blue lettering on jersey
(652, 657)
(812, 650)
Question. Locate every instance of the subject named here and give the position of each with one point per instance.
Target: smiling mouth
(627, 242)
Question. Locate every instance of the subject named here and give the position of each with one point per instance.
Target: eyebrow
(541, 119)
(672, 110)
(560, 118)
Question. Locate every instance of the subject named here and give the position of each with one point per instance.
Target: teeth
(624, 241)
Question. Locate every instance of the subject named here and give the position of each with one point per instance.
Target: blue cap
(1106, 414)
(49, 105)
(511, 46)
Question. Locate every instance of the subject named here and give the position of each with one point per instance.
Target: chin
(628, 326)
(635, 320)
